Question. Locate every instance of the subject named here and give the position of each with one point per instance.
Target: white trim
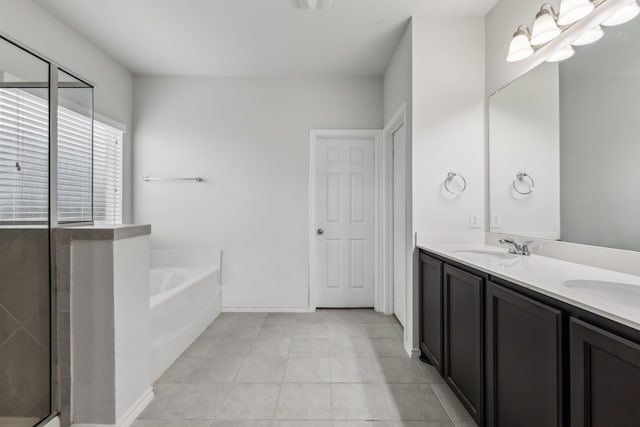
(130, 416)
(314, 136)
(267, 310)
(386, 290)
(53, 422)
(136, 409)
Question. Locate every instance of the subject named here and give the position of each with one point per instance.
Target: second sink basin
(620, 293)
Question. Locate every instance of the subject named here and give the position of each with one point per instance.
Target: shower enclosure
(46, 130)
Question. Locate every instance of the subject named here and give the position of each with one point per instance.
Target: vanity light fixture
(545, 27)
(573, 10)
(589, 37)
(520, 47)
(626, 14)
(312, 4)
(562, 54)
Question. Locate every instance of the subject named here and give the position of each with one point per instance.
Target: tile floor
(331, 368)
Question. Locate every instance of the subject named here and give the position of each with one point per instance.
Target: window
(24, 156)
(24, 162)
(107, 174)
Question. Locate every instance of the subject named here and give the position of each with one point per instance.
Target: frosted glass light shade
(544, 28)
(562, 54)
(589, 37)
(626, 14)
(573, 10)
(520, 48)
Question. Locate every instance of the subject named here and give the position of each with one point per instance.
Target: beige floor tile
(309, 347)
(276, 330)
(451, 404)
(415, 402)
(359, 402)
(257, 370)
(309, 370)
(180, 370)
(304, 402)
(381, 331)
(219, 370)
(270, 348)
(250, 401)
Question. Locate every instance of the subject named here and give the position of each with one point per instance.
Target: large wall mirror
(564, 147)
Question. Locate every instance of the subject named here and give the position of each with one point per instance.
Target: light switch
(474, 220)
(496, 220)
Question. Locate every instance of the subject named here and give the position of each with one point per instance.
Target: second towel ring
(521, 176)
(450, 177)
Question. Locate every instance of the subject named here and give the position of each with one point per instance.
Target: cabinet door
(524, 360)
(605, 378)
(463, 337)
(431, 310)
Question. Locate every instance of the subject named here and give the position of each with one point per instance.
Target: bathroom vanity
(530, 340)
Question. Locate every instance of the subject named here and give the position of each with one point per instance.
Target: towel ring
(521, 176)
(450, 177)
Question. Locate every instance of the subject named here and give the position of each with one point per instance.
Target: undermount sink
(485, 254)
(620, 293)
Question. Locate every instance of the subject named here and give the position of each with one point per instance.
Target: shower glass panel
(75, 149)
(25, 320)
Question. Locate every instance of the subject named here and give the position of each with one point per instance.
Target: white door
(343, 195)
(399, 228)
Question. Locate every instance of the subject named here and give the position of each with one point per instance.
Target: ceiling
(250, 37)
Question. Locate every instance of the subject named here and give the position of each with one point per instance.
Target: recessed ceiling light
(312, 4)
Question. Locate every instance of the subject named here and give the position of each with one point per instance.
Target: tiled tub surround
(24, 326)
(78, 240)
(328, 368)
(547, 276)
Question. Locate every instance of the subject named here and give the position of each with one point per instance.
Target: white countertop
(547, 276)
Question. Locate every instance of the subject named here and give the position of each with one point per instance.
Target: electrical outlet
(496, 220)
(474, 220)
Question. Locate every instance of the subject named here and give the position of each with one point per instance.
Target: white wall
(397, 79)
(27, 23)
(524, 135)
(398, 91)
(448, 121)
(249, 139)
(111, 369)
(448, 116)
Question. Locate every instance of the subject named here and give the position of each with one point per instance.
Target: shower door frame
(52, 222)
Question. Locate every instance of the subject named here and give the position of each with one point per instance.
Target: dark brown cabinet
(524, 360)
(516, 357)
(605, 378)
(463, 337)
(431, 341)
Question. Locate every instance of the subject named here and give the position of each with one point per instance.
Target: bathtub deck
(323, 369)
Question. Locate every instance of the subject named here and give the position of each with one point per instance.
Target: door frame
(316, 135)
(387, 300)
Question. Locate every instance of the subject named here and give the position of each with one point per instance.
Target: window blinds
(107, 174)
(24, 156)
(74, 167)
(24, 163)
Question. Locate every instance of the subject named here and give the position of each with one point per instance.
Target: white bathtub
(185, 298)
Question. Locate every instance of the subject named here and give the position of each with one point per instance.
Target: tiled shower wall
(24, 323)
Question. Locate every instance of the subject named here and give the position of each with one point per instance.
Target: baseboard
(136, 409)
(413, 353)
(266, 310)
(130, 416)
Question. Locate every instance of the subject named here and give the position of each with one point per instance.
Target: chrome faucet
(517, 248)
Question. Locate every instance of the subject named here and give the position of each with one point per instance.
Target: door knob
(320, 231)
